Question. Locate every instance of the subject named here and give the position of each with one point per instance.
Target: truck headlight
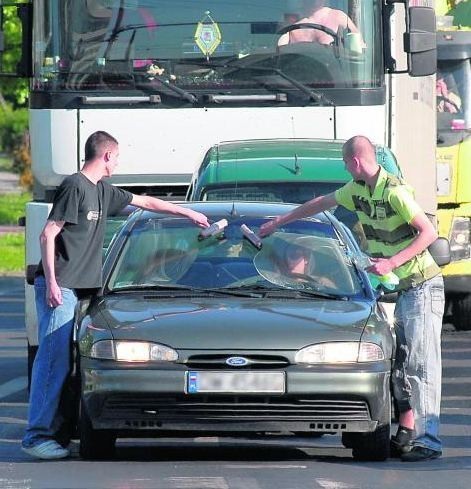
(340, 352)
(132, 351)
(460, 248)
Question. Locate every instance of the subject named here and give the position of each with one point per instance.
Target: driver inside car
(299, 263)
(320, 14)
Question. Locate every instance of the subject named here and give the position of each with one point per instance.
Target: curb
(11, 229)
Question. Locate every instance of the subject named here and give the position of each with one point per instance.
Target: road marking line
(198, 482)
(10, 420)
(329, 484)
(13, 386)
(265, 466)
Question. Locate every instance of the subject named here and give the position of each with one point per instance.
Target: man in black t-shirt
(71, 253)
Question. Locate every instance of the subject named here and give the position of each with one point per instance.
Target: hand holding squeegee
(251, 236)
(215, 228)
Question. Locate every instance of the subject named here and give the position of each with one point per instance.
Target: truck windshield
(111, 45)
(453, 99)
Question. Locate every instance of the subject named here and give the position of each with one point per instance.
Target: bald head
(359, 155)
(359, 147)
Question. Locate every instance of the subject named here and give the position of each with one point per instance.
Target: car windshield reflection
(168, 253)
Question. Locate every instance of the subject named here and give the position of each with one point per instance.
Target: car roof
(275, 160)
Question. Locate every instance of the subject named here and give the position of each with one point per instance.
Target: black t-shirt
(84, 207)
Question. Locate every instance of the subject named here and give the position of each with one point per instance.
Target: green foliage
(5, 162)
(12, 258)
(14, 90)
(13, 125)
(12, 206)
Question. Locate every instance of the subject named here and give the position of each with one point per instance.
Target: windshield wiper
(318, 97)
(185, 95)
(306, 292)
(234, 292)
(314, 95)
(130, 288)
(184, 288)
(280, 291)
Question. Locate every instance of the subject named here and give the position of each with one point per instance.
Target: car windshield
(231, 44)
(302, 256)
(290, 192)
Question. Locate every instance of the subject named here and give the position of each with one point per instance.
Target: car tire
(461, 318)
(94, 444)
(372, 446)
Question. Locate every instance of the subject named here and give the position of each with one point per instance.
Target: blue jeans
(51, 364)
(417, 373)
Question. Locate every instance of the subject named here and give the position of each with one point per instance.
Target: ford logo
(237, 361)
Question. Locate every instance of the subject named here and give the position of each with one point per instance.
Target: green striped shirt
(385, 216)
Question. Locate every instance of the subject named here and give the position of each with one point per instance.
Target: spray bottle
(388, 281)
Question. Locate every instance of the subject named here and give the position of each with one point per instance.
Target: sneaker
(47, 450)
(418, 454)
(402, 442)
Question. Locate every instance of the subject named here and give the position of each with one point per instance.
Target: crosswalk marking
(13, 386)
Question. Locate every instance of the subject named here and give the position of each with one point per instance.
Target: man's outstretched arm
(309, 208)
(158, 205)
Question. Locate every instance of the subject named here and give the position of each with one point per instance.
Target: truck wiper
(318, 97)
(314, 95)
(179, 91)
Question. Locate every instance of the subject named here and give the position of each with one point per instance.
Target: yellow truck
(454, 152)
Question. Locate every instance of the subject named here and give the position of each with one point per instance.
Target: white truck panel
(53, 157)
(163, 142)
(174, 142)
(369, 121)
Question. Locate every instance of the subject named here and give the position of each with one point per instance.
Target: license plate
(235, 382)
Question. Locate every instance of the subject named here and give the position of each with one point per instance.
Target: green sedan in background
(229, 335)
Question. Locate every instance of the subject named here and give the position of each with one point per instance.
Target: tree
(12, 90)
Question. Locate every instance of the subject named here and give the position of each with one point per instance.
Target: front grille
(234, 408)
(216, 361)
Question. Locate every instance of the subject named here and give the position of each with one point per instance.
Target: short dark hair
(97, 143)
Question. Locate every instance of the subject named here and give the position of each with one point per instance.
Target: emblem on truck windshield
(207, 35)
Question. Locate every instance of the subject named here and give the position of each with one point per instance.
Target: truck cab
(454, 161)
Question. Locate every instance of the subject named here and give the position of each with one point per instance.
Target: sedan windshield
(169, 253)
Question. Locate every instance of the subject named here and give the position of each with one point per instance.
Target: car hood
(233, 323)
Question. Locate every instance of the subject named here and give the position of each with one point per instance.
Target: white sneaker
(47, 450)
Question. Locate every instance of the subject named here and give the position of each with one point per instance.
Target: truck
(454, 153)
(171, 78)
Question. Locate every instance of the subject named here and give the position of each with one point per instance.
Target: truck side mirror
(440, 250)
(420, 41)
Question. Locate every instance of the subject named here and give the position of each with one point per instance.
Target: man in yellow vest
(398, 234)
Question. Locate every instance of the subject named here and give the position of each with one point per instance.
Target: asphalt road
(217, 463)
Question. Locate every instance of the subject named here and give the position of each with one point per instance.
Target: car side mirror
(440, 250)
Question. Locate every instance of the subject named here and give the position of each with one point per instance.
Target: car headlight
(340, 352)
(460, 239)
(132, 351)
